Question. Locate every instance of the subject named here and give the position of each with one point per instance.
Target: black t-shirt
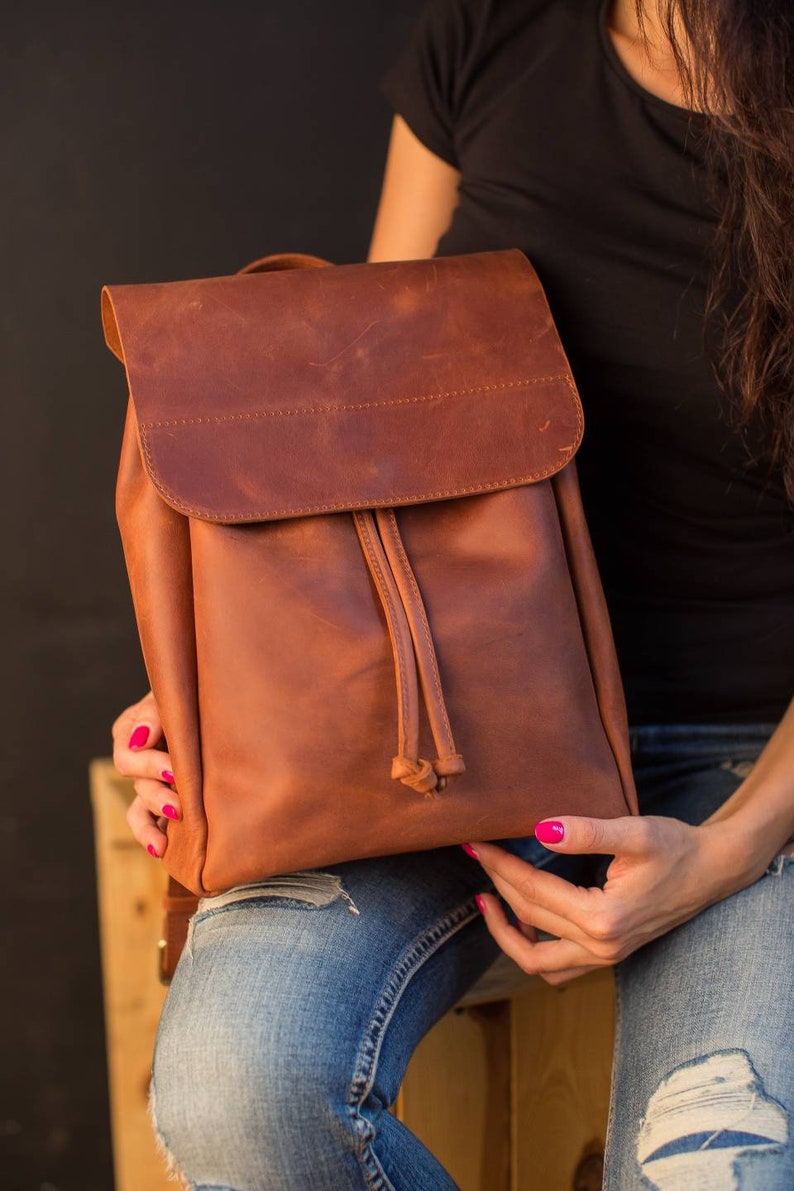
(604, 187)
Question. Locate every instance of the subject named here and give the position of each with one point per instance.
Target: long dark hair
(741, 74)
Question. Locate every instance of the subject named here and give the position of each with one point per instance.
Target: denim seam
(412, 959)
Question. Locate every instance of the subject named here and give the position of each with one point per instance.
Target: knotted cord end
(447, 768)
(425, 776)
(450, 766)
(419, 775)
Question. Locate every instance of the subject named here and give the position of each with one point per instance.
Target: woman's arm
(418, 195)
(760, 813)
(664, 872)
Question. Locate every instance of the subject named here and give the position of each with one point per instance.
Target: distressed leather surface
(355, 387)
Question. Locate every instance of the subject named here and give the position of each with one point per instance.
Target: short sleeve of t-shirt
(423, 83)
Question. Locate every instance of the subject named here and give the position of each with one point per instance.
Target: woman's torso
(604, 187)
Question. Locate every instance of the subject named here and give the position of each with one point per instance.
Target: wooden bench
(510, 1092)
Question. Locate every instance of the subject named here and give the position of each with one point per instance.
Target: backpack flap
(299, 391)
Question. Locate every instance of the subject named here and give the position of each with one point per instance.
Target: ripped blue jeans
(298, 1002)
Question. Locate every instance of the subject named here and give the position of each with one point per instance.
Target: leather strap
(179, 904)
(285, 260)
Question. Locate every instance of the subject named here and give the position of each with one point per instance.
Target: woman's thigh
(292, 1015)
(703, 1083)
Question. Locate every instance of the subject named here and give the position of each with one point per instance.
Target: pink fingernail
(150, 848)
(550, 832)
(139, 737)
(167, 776)
(469, 850)
(480, 904)
(170, 812)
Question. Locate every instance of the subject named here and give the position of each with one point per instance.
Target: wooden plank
(130, 888)
(562, 1044)
(456, 1096)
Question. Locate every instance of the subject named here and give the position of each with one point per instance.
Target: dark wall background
(142, 143)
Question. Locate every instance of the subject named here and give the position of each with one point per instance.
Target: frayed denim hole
(271, 902)
(705, 1117)
(304, 891)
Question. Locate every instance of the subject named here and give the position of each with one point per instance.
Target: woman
(644, 160)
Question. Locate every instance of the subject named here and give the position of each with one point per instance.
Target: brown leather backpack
(366, 596)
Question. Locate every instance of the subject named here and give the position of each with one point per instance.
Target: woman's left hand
(664, 872)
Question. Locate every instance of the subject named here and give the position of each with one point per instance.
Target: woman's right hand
(136, 732)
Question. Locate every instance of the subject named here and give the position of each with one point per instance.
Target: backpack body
(365, 591)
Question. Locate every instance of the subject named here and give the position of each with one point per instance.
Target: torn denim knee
(703, 1119)
(312, 889)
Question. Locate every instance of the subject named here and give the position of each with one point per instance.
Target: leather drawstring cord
(412, 647)
(449, 762)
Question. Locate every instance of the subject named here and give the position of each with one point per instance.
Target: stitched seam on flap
(325, 409)
(344, 506)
